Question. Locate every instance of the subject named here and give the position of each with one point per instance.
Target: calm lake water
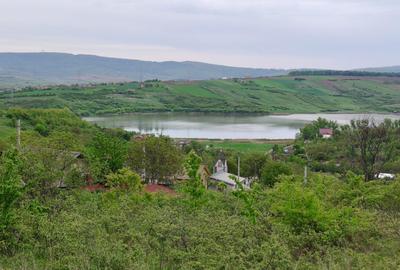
(222, 126)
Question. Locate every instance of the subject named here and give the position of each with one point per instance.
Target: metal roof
(226, 178)
(325, 131)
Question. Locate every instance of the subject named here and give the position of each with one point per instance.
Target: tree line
(354, 73)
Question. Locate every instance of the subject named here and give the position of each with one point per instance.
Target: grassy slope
(269, 95)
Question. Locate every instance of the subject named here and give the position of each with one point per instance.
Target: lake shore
(252, 141)
(216, 126)
(238, 113)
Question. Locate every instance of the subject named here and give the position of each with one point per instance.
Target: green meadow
(239, 146)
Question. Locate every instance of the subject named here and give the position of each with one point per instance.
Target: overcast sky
(280, 34)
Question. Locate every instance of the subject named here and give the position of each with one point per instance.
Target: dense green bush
(10, 192)
(272, 170)
(125, 179)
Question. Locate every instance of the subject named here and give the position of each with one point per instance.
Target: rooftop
(226, 178)
(326, 131)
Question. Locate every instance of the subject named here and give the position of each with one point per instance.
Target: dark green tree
(272, 170)
(106, 154)
(157, 158)
(252, 163)
(194, 186)
(374, 144)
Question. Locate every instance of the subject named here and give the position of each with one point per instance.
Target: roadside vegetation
(339, 217)
(286, 94)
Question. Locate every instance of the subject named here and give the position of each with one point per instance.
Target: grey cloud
(285, 33)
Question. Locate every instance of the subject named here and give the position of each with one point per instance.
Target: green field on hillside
(286, 94)
(239, 146)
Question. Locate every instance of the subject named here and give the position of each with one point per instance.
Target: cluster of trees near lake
(339, 217)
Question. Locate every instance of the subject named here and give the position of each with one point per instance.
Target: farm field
(242, 146)
(275, 95)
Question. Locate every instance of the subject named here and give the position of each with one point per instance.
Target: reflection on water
(222, 126)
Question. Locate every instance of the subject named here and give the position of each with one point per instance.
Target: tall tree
(157, 158)
(106, 154)
(373, 141)
(192, 164)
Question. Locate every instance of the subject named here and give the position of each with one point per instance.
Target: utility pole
(144, 161)
(238, 166)
(306, 169)
(18, 134)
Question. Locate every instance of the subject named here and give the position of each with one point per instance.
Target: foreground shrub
(303, 211)
(124, 178)
(10, 192)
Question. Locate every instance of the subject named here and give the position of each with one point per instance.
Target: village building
(140, 137)
(182, 143)
(221, 176)
(288, 150)
(326, 133)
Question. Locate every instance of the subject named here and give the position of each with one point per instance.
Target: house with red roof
(326, 133)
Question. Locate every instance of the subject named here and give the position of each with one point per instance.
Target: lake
(222, 126)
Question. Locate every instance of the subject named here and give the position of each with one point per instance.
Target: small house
(221, 176)
(326, 133)
(182, 143)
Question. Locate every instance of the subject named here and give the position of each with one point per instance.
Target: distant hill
(21, 69)
(392, 69)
